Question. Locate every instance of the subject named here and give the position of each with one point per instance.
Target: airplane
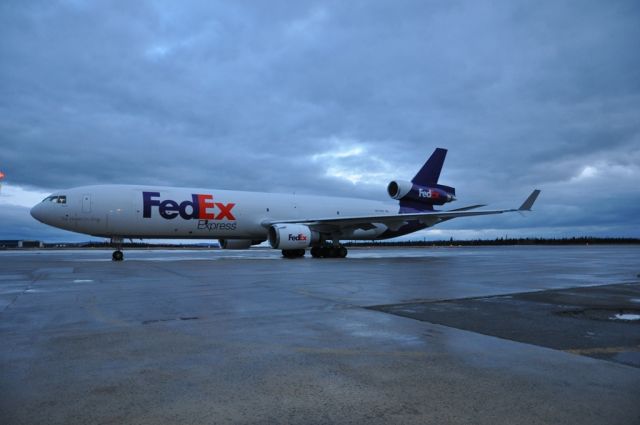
(239, 220)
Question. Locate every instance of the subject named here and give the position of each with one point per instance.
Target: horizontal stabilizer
(449, 189)
(526, 205)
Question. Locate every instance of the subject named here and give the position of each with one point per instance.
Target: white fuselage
(120, 211)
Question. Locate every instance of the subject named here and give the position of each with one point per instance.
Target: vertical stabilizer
(430, 171)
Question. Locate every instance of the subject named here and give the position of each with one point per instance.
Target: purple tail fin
(430, 171)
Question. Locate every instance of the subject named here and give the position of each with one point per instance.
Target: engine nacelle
(436, 194)
(237, 243)
(398, 189)
(292, 236)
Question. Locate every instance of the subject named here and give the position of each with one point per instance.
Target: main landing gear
(117, 254)
(322, 251)
(328, 251)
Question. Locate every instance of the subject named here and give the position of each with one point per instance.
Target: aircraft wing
(395, 221)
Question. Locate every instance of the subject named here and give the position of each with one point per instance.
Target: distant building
(20, 244)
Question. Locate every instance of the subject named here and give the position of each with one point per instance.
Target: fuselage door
(86, 203)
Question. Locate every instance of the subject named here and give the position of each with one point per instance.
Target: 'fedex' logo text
(298, 237)
(200, 207)
(428, 193)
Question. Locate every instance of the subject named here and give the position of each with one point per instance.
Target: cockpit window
(58, 199)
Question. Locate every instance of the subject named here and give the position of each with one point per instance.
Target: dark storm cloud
(262, 95)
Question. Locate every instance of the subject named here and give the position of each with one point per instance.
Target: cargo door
(86, 203)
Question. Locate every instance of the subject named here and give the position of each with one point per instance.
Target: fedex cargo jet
(239, 220)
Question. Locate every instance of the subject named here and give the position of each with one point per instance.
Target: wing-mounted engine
(434, 194)
(292, 236)
(238, 243)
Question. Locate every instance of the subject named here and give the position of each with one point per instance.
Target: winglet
(526, 205)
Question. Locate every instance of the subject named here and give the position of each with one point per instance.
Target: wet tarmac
(248, 337)
(597, 321)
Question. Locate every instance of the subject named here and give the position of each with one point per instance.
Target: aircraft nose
(37, 212)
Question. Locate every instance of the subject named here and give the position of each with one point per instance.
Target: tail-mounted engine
(436, 194)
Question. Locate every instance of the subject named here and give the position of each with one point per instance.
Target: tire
(117, 256)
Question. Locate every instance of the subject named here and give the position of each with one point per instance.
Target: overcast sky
(329, 98)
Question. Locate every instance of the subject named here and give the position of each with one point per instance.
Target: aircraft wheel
(316, 252)
(117, 256)
(331, 252)
(337, 252)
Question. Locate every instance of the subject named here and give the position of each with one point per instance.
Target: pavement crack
(28, 287)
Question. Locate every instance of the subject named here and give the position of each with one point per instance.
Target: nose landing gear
(117, 254)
